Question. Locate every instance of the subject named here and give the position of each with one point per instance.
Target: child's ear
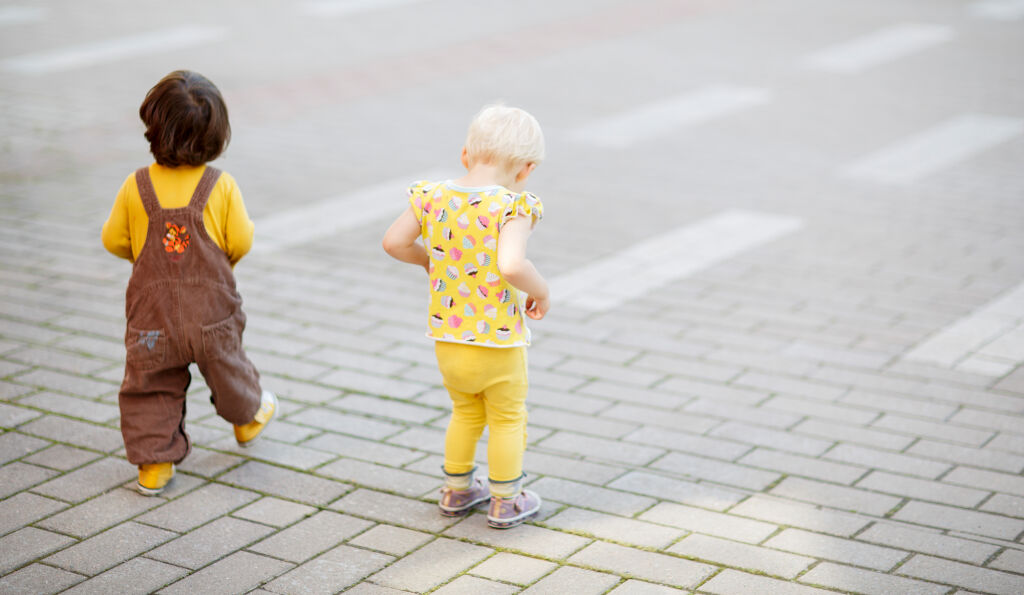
(465, 158)
(525, 171)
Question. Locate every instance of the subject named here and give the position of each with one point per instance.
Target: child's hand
(536, 308)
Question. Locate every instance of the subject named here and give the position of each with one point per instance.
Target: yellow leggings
(488, 387)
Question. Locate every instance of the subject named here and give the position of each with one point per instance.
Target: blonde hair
(505, 135)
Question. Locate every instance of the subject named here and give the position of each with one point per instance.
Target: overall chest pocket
(146, 348)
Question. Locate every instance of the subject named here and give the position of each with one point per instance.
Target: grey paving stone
(366, 588)
(963, 575)
(958, 519)
(136, 576)
(979, 478)
(285, 483)
(288, 455)
(513, 568)
(716, 471)
(657, 416)
(733, 582)
(373, 385)
(614, 528)
(310, 537)
(88, 481)
(918, 407)
(95, 515)
(921, 489)
(426, 439)
(635, 587)
(109, 548)
(570, 492)
(209, 542)
(386, 508)
(330, 572)
(989, 420)
(940, 431)
(1007, 505)
(776, 439)
(742, 556)
(834, 548)
(14, 445)
(431, 565)
(392, 540)
(24, 509)
(645, 565)
(792, 464)
(573, 580)
(27, 544)
(728, 411)
(877, 459)
(853, 434)
(526, 539)
(61, 457)
(208, 463)
(710, 523)
(67, 383)
(585, 424)
(389, 408)
(817, 409)
(238, 573)
(964, 455)
(198, 507)
(60, 429)
(835, 496)
(471, 585)
(856, 580)
(600, 448)
(675, 490)
(366, 450)
(1010, 560)
(18, 476)
(715, 448)
(275, 512)
(928, 542)
(599, 371)
(381, 477)
(12, 416)
(661, 397)
(792, 386)
(38, 580)
(73, 407)
(356, 425)
(568, 468)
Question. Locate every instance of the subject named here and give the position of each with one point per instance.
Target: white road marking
(662, 117)
(879, 47)
(989, 341)
(945, 144)
(653, 263)
(111, 50)
(997, 10)
(327, 217)
(17, 15)
(334, 8)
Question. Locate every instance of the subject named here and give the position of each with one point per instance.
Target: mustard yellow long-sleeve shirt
(225, 217)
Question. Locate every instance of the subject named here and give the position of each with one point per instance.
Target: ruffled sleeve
(419, 198)
(522, 205)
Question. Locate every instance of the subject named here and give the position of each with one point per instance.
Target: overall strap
(203, 189)
(146, 192)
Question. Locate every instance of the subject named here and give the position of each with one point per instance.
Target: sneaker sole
(448, 511)
(509, 523)
(148, 491)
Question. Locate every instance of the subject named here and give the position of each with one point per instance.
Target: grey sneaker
(459, 502)
(509, 512)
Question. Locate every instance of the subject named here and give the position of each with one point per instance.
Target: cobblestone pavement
(817, 386)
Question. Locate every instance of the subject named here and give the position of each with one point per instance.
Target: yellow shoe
(247, 434)
(153, 477)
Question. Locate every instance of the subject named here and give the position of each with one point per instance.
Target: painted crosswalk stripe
(662, 117)
(938, 147)
(334, 8)
(112, 50)
(879, 47)
(331, 216)
(990, 341)
(17, 15)
(997, 10)
(654, 263)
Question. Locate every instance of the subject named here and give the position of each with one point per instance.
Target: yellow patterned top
(470, 302)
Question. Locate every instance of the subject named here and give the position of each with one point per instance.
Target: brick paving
(763, 423)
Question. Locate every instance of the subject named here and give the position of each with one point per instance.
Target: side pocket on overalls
(223, 338)
(146, 348)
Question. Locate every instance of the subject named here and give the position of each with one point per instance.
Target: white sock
(461, 481)
(506, 489)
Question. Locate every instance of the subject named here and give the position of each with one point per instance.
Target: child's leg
(152, 406)
(505, 402)
(468, 414)
(233, 380)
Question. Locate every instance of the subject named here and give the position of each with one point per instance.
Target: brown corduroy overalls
(182, 307)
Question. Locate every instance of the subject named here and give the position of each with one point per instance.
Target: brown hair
(186, 120)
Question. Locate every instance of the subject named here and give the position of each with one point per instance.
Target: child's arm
(401, 240)
(518, 270)
(116, 234)
(238, 227)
